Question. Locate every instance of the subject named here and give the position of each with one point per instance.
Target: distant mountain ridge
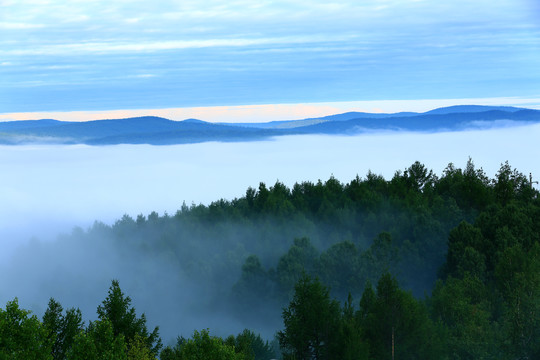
(357, 115)
(423, 122)
(471, 109)
(160, 131)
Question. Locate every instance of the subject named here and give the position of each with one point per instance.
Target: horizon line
(260, 113)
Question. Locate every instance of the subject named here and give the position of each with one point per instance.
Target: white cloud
(152, 46)
(318, 43)
(76, 185)
(19, 26)
(132, 20)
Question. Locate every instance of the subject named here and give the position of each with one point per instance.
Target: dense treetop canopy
(455, 260)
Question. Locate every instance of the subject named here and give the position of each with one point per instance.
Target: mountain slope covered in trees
(439, 267)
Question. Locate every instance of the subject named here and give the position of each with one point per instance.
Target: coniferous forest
(419, 266)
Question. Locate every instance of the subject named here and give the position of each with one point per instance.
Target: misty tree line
(455, 259)
(117, 334)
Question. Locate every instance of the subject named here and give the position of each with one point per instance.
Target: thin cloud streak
(19, 26)
(245, 52)
(113, 47)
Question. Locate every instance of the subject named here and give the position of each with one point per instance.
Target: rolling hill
(161, 131)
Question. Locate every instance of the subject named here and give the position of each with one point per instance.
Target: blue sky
(95, 55)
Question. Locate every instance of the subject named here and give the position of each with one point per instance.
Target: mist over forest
(269, 180)
(48, 189)
(152, 218)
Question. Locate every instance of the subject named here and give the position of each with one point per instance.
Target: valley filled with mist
(216, 235)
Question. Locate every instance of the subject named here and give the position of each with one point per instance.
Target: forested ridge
(420, 266)
(161, 131)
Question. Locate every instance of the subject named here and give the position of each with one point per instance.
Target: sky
(238, 59)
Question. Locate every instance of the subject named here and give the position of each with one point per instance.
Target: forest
(420, 266)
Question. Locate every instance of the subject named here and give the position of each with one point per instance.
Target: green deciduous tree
(381, 257)
(254, 282)
(253, 346)
(463, 306)
(173, 352)
(98, 342)
(351, 342)
(22, 335)
(202, 346)
(312, 322)
(466, 251)
(138, 350)
(511, 184)
(301, 258)
(396, 322)
(518, 278)
(339, 268)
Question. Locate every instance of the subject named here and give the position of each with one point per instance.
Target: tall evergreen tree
(117, 309)
(61, 328)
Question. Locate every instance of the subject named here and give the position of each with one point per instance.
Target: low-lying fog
(45, 190)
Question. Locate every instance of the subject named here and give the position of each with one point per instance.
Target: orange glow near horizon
(270, 112)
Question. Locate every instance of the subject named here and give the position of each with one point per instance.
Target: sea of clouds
(47, 189)
(50, 189)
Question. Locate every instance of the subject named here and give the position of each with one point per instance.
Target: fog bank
(47, 189)
(50, 189)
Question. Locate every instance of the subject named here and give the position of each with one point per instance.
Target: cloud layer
(47, 189)
(50, 189)
(88, 55)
